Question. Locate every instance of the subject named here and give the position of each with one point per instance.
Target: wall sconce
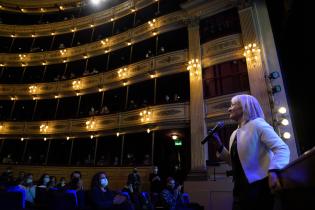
(43, 128)
(22, 139)
(122, 72)
(1, 126)
(22, 56)
(90, 124)
(63, 52)
(76, 84)
(32, 89)
(252, 53)
(148, 130)
(104, 42)
(152, 23)
(1, 65)
(193, 67)
(152, 75)
(85, 56)
(274, 75)
(145, 115)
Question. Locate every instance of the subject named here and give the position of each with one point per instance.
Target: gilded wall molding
(176, 113)
(164, 24)
(213, 52)
(98, 18)
(222, 49)
(166, 64)
(35, 4)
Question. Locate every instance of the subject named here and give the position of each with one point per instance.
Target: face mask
(46, 180)
(155, 171)
(171, 185)
(104, 182)
(62, 184)
(29, 181)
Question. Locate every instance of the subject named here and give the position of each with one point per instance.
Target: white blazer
(259, 148)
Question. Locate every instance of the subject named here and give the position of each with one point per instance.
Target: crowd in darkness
(50, 193)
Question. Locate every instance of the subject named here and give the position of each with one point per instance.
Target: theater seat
(11, 201)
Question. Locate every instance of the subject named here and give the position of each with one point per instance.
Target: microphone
(218, 126)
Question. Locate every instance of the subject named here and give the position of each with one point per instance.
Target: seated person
(15, 186)
(43, 181)
(103, 198)
(30, 189)
(134, 180)
(147, 160)
(171, 196)
(155, 181)
(62, 183)
(101, 161)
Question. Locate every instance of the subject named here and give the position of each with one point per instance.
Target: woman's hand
(273, 180)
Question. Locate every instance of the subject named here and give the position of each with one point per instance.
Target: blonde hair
(250, 106)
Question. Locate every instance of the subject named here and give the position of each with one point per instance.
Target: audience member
(30, 190)
(147, 160)
(103, 198)
(155, 181)
(171, 196)
(62, 183)
(7, 160)
(134, 180)
(43, 181)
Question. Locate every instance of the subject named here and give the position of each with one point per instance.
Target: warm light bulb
(285, 122)
(286, 135)
(282, 110)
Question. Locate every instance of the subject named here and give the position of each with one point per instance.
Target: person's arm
(222, 152)
(281, 154)
(168, 199)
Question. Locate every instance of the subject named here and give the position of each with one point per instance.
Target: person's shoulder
(258, 122)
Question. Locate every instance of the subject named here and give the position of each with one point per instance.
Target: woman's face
(235, 111)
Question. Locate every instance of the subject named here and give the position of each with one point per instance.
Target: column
(256, 27)
(199, 152)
